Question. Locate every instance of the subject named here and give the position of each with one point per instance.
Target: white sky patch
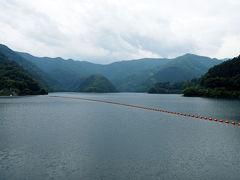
(229, 47)
(103, 31)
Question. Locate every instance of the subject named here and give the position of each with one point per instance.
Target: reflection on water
(54, 138)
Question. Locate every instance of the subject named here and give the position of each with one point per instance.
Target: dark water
(53, 138)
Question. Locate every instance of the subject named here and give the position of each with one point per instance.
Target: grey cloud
(104, 31)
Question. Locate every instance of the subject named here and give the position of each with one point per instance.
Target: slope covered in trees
(44, 79)
(125, 75)
(222, 80)
(131, 76)
(96, 83)
(14, 81)
(172, 88)
(182, 68)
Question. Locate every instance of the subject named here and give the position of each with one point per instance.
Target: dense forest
(182, 68)
(44, 79)
(129, 75)
(172, 88)
(15, 81)
(96, 83)
(222, 80)
(162, 75)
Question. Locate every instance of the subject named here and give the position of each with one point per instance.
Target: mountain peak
(190, 54)
(96, 83)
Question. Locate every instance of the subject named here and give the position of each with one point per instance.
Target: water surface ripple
(56, 138)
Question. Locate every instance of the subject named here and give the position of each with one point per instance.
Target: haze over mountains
(57, 74)
(132, 75)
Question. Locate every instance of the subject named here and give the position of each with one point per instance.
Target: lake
(45, 137)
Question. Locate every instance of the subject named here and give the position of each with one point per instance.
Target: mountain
(172, 88)
(183, 68)
(44, 79)
(96, 83)
(69, 73)
(14, 80)
(125, 75)
(222, 80)
(128, 76)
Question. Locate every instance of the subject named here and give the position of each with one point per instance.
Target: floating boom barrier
(151, 109)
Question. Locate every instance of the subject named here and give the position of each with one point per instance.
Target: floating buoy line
(152, 109)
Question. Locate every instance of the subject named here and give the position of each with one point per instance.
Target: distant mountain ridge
(182, 68)
(131, 75)
(44, 79)
(70, 72)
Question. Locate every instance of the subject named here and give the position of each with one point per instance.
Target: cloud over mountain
(103, 31)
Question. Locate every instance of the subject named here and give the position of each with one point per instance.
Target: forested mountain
(57, 74)
(44, 79)
(222, 80)
(183, 68)
(16, 81)
(172, 88)
(96, 83)
(126, 75)
(133, 75)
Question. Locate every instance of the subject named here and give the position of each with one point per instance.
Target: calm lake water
(43, 137)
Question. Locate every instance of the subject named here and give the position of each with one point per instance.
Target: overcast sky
(103, 31)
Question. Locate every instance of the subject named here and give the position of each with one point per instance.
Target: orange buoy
(177, 113)
(210, 119)
(205, 117)
(220, 120)
(192, 115)
(200, 117)
(196, 116)
(188, 114)
(233, 123)
(174, 113)
(184, 114)
(226, 121)
(239, 124)
(215, 119)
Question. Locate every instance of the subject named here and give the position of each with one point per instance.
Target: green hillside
(222, 80)
(182, 68)
(96, 83)
(67, 72)
(125, 75)
(172, 88)
(44, 79)
(14, 81)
